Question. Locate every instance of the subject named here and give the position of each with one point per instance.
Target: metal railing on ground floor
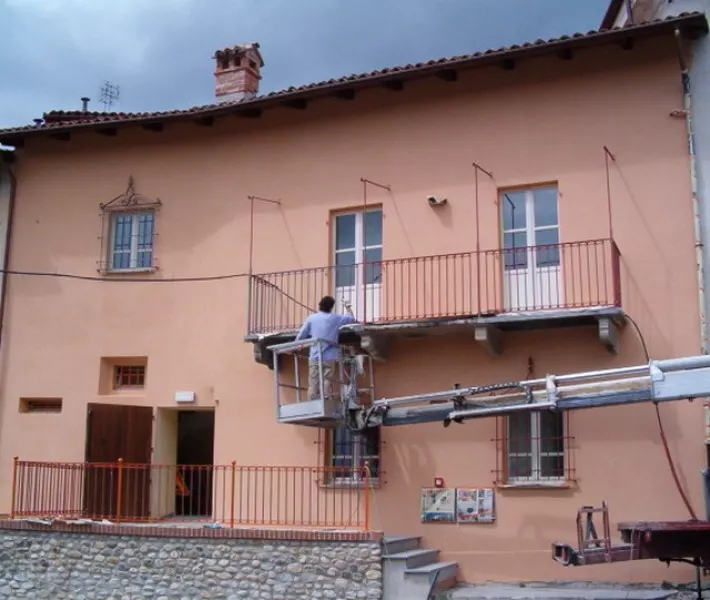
(233, 495)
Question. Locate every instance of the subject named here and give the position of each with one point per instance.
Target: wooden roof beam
(207, 121)
(396, 85)
(107, 131)
(61, 136)
(297, 103)
(348, 94)
(17, 142)
(447, 75)
(250, 113)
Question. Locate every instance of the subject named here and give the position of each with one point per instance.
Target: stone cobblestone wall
(77, 566)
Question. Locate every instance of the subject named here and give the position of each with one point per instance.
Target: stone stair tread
(393, 544)
(431, 568)
(399, 538)
(410, 554)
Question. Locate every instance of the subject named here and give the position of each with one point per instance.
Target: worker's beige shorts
(314, 391)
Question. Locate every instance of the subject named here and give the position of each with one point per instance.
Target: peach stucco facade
(547, 121)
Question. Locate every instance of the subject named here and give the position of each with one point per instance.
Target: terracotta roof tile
(63, 120)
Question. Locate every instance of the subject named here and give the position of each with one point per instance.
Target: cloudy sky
(159, 51)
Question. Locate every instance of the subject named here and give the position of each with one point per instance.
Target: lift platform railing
(332, 386)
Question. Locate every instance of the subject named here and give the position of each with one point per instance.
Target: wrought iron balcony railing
(550, 277)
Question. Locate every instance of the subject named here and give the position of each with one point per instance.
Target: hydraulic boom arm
(657, 381)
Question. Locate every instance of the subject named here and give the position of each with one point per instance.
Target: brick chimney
(238, 72)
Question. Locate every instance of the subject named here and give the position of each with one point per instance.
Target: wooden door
(113, 432)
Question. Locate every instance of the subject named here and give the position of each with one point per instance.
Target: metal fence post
(119, 490)
(479, 308)
(616, 272)
(321, 380)
(234, 487)
(13, 505)
(367, 496)
(706, 491)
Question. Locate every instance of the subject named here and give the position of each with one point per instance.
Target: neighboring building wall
(546, 121)
(700, 89)
(648, 10)
(53, 565)
(6, 189)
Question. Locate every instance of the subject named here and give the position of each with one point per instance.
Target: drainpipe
(629, 12)
(697, 226)
(6, 257)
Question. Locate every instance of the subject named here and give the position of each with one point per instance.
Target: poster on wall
(438, 505)
(475, 505)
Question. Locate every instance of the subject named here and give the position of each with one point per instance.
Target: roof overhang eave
(692, 24)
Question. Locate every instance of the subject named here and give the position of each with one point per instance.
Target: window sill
(352, 484)
(139, 271)
(535, 485)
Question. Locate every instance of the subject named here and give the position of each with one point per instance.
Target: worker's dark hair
(326, 304)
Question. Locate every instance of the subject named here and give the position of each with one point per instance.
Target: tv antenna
(109, 94)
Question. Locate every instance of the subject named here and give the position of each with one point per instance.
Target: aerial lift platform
(353, 404)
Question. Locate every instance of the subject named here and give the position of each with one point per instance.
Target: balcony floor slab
(486, 329)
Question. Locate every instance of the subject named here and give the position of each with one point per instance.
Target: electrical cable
(662, 431)
(266, 283)
(122, 279)
(641, 338)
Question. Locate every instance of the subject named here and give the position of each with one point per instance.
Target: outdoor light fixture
(436, 200)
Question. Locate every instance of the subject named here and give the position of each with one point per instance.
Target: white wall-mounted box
(184, 397)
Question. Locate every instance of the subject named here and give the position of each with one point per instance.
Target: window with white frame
(358, 238)
(132, 235)
(530, 219)
(352, 451)
(536, 447)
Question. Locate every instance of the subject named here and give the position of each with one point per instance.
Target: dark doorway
(195, 455)
(114, 432)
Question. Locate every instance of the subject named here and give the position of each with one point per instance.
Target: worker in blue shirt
(324, 325)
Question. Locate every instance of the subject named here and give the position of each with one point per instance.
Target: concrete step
(394, 544)
(447, 572)
(414, 558)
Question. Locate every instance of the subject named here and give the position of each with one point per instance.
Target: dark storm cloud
(159, 51)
